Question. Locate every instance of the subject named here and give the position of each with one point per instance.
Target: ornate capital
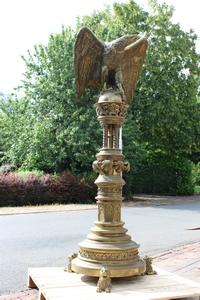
(111, 109)
(110, 167)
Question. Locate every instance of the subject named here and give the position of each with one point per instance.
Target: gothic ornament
(104, 282)
(149, 268)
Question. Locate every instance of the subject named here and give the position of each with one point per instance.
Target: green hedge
(161, 175)
(196, 173)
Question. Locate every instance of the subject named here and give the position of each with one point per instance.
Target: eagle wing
(88, 53)
(132, 62)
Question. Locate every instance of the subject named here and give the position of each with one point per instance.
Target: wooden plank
(55, 284)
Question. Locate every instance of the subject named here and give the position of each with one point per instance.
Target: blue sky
(24, 23)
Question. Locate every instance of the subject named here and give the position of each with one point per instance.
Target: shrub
(196, 174)
(184, 182)
(161, 175)
(197, 189)
(16, 190)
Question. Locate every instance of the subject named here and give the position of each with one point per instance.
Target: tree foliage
(165, 106)
(54, 129)
(49, 129)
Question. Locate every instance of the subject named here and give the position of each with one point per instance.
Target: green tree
(14, 124)
(165, 103)
(55, 130)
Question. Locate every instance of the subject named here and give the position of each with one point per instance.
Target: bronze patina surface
(114, 64)
(113, 67)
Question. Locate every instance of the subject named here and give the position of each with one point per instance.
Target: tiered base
(109, 246)
(92, 269)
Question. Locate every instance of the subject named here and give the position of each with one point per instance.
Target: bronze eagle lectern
(115, 64)
(113, 68)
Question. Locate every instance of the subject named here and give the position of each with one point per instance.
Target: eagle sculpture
(105, 65)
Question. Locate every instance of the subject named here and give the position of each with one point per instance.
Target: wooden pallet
(55, 284)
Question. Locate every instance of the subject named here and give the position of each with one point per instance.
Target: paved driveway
(36, 240)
